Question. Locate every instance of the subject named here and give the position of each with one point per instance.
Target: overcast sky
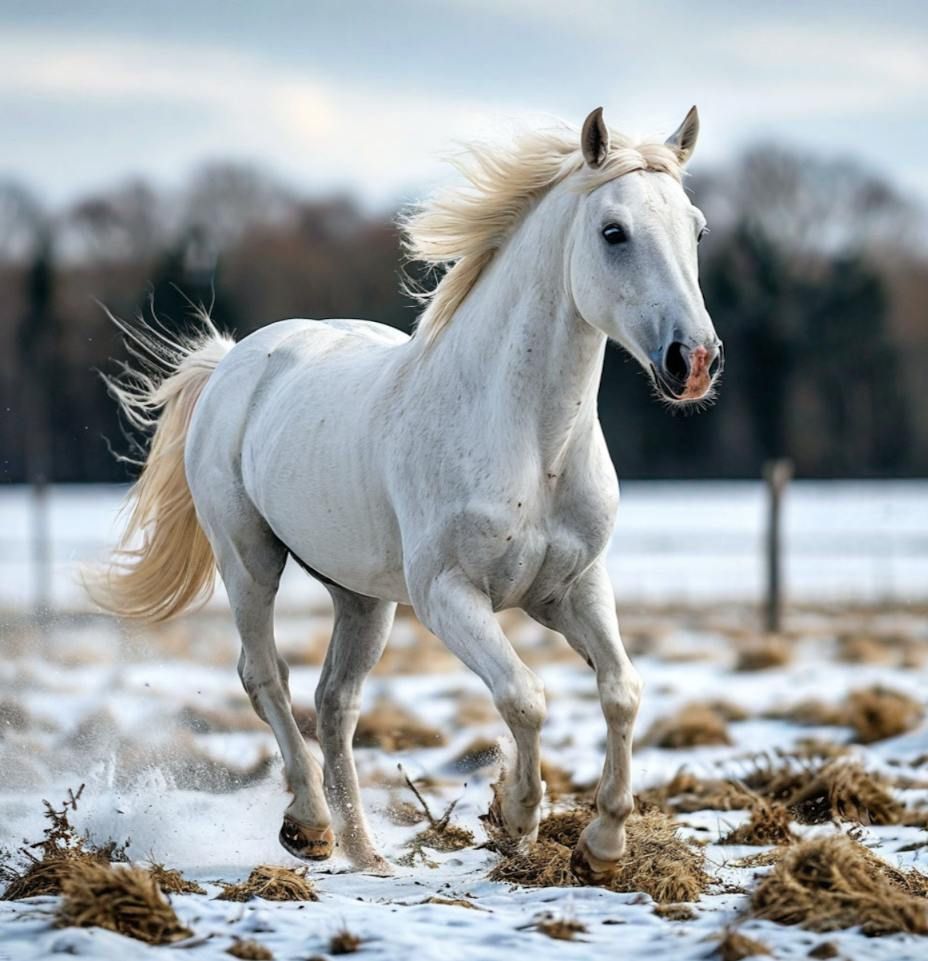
(365, 95)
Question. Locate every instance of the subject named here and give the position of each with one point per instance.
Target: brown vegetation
(735, 946)
(172, 881)
(874, 713)
(272, 884)
(769, 824)
(693, 725)
(825, 884)
(764, 653)
(344, 942)
(657, 861)
(440, 835)
(123, 899)
(392, 728)
(560, 929)
(250, 951)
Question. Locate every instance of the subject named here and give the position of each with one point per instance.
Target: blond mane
(458, 230)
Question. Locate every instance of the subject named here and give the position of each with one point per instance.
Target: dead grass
(236, 718)
(250, 951)
(172, 881)
(687, 792)
(440, 835)
(873, 713)
(769, 824)
(474, 709)
(657, 861)
(559, 783)
(123, 899)
(735, 946)
(391, 727)
(559, 929)
(764, 653)
(838, 790)
(694, 725)
(62, 849)
(675, 912)
(826, 884)
(344, 942)
(272, 884)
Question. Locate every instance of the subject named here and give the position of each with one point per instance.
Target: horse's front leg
(586, 616)
(462, 617)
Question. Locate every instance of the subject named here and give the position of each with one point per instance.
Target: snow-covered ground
(113, 710)
(119, 710)
(675, 542)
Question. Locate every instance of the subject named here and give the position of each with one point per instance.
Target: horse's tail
(163, 562)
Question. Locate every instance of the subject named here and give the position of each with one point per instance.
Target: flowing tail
(163, 562)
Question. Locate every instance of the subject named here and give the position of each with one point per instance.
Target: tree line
(815, 272)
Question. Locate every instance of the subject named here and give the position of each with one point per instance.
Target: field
(748, 748)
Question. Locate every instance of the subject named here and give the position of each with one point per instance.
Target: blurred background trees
(815, 272)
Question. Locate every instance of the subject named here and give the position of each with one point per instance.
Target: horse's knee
(521, 702)
(620, 696)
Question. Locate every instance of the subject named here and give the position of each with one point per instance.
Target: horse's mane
(459, 229)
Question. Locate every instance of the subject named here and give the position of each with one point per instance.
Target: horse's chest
(549, 552)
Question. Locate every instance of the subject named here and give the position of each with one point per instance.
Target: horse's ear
(683, 139)
(594, 138)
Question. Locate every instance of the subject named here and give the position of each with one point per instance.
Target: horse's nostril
(675, 362)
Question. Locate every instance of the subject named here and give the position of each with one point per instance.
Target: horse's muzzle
(687, 373)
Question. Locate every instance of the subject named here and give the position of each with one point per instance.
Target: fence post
(777, 475)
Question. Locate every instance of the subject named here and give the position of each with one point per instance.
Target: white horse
(461, 470)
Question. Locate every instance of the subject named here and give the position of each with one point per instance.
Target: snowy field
(155, 725)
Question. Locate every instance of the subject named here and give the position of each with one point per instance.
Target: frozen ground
(156, 726)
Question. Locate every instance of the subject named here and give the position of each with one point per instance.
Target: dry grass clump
(123, 899)
(764, 653)
(172, 881)
(686, 792)
(877, 713)
(693, 725)
(250, 951)
(735, 946)
(559, 929)
(874, 713)
(440, 835)
(344, 942)
(392, 728)
(838, 790)
(657, 861)
(769, 824)
(62, 849)
(675, 912)
(223, 720)
(474, 709)
(272, 884)
(826, 884)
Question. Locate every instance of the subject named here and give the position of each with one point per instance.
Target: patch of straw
(764, 653)
(344, 942)
(123, 899)
(440, 835)
(271, 884)
(392, 728)
(172, 881)
(250, 951)
(769, 824)
(657, 861)
(735, 946)
(826, 884)
(694, 725)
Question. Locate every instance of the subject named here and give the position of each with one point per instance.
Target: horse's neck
(521, 348)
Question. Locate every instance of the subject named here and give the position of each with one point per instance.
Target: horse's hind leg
(251, 560)
(362, 625)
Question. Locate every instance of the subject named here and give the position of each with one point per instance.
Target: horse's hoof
(588, 869)
(309, 844)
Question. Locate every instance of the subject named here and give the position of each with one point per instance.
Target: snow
(105, 706)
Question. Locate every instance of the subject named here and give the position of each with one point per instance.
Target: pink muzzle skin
(699, 379)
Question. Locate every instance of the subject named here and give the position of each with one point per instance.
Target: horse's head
(633, 267)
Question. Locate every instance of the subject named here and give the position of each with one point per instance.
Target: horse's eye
(614, 234)
(702, 233)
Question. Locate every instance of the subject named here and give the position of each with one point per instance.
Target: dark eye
(702, 233)
(614, 234)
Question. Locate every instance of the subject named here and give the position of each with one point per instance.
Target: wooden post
(777, 474)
